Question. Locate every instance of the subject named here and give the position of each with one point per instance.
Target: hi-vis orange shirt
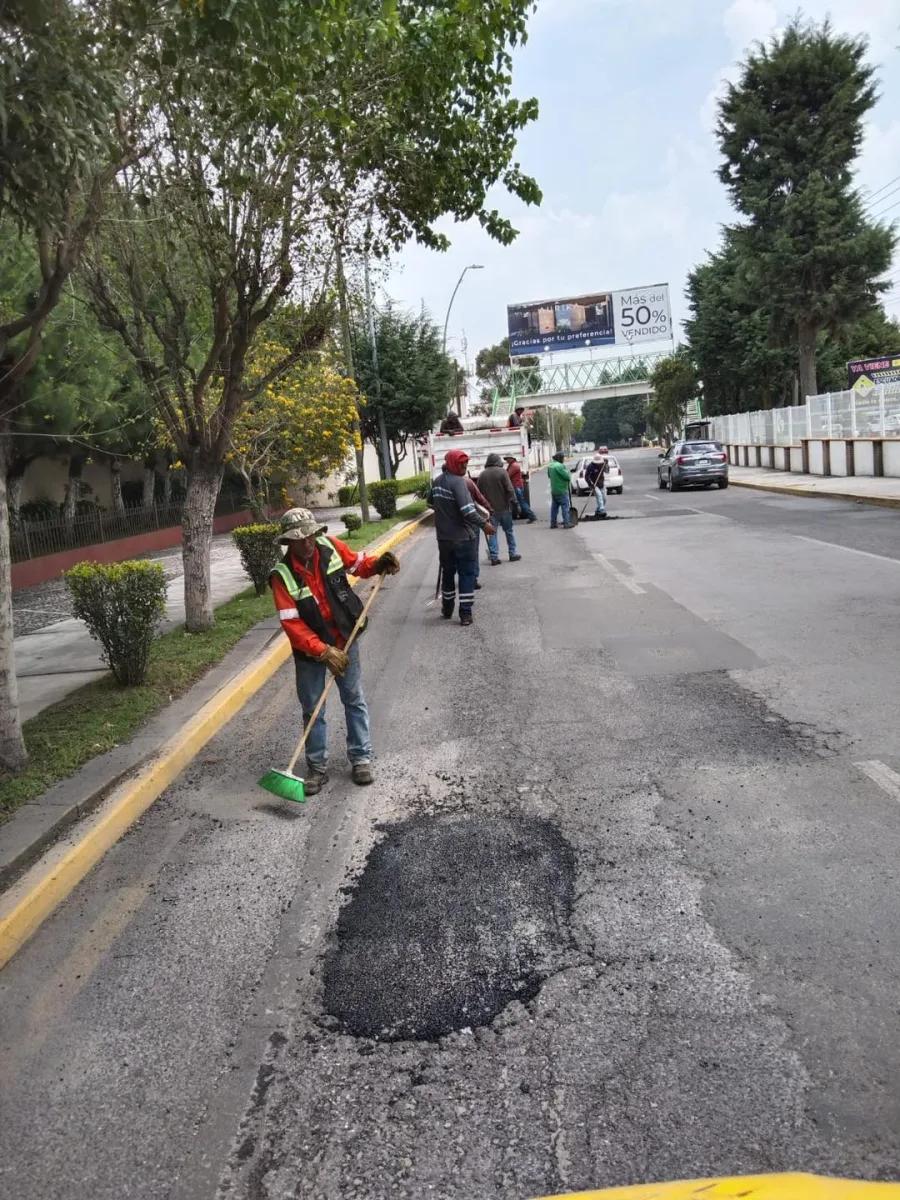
(299, 633)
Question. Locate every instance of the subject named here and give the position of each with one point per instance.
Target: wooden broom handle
(331, 678)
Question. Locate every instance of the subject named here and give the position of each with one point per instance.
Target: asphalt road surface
(621, 906)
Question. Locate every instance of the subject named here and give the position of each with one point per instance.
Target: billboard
(627, 318)
(866, 373)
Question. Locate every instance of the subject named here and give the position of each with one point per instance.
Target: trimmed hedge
(122, 605)
(405, 487)
(352, 521)
(259, 554)
(383, 494)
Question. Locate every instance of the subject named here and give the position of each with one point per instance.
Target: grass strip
(102, 715)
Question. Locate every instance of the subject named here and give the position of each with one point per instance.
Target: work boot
(446, 613)
(465, 618)
(314, 781)
(515, 558)
(477, 586)
(363, 773)
(495, 562)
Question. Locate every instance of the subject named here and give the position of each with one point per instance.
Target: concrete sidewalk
(865, 489)
(62, 657)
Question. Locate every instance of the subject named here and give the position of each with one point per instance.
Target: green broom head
(284, 785)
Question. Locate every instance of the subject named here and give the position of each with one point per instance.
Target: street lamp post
(470, 267)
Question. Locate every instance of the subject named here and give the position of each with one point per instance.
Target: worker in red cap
(457, 524)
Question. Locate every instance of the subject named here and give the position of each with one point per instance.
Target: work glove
(335, 660)
(387, 564)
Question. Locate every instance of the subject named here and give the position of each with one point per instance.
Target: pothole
(451, 920)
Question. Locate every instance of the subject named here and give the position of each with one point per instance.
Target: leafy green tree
(411, 385)
(675, 384)
(60, 86)
(790, 130)
(313, 129)
(494, 372)
(612, 421)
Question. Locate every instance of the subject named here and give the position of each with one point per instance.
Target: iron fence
(873, 414)
(34, 539)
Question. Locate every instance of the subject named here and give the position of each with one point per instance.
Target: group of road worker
(319, 609)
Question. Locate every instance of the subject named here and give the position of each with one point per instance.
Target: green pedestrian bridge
(574, 382)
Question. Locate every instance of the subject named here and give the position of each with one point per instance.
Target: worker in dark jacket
(318, 610)
(495, 484)
(457, 525)
(451, 423)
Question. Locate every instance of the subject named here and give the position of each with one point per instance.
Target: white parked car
(615, 481)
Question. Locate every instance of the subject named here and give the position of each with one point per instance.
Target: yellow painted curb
(760, 1187)
(42, 888)
(787, 490)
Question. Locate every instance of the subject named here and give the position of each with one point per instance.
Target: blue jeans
(310, 682)
(458, 559)
(524, 507)
(560, 504)
(502, 521)
(601, 501)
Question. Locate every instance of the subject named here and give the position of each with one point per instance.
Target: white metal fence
(873, 414)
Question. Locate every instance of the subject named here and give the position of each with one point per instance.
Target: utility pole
(382, 427)
(351, 372)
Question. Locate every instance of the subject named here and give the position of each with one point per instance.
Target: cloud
(748, 21)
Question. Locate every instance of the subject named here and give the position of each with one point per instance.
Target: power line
(882, 199)
(872, 195)
(875, 216)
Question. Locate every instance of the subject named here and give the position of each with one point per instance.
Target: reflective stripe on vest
(284, 572)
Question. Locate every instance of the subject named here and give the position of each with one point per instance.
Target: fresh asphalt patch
(451, 920)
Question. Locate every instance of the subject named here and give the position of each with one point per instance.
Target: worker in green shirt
(560, 482)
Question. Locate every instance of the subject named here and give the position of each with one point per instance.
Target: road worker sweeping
(318, 609)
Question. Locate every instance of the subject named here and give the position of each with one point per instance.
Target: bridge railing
(525, 382)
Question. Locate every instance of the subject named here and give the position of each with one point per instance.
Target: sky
(624, 153)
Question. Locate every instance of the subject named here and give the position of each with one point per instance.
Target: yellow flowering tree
(299, 425)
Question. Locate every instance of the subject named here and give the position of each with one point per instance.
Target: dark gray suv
(694, 464)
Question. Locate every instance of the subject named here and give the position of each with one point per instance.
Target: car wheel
(673, 486)
(723, 483)
(661, 482)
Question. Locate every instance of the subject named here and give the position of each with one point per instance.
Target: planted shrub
(348, 494)
(414, 484)
(122, 605)
(383, 494)
(259, 554)
(352, 521)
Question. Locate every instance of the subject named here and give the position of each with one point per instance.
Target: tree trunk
(14, 482)
(167, 485)
(203, 485)
(115, 478)
(13, 755)
(807, 338)
(148, 495)
(73, 487)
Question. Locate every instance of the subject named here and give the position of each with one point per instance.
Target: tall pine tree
(790, 130)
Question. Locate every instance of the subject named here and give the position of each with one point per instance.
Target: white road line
(650, 496)
(849, 549)
(887, 780)
(616, 574)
